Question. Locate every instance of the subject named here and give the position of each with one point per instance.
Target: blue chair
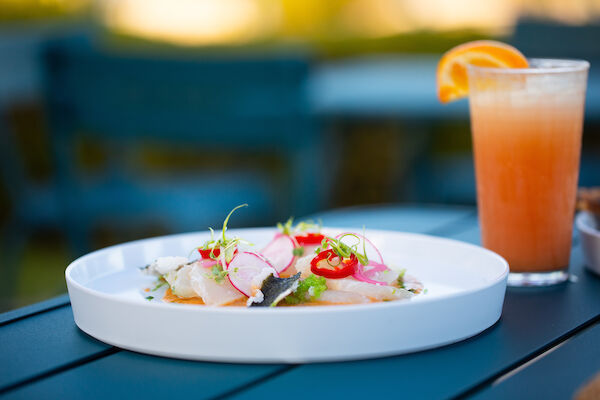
(33, 206)
(244, 106)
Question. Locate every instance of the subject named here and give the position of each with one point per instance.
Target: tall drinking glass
(526, 126)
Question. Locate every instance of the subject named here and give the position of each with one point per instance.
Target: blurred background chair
(236, 128)
(34, 207)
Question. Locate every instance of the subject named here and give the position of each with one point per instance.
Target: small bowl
(590, 240)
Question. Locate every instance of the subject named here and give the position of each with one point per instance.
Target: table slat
(35, 345)
(558, 375)
(132, 375)
(24, 312)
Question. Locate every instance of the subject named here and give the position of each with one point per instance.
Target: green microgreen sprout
(288, 227)
(161, 282)
(304, 293)
(364, 244)
(227, 219)
(400, 278)
(226, 245)
(149, 298)
(298, 251)
(218, 274)
(344, 250)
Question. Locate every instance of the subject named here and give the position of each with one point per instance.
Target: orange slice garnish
(452, 79)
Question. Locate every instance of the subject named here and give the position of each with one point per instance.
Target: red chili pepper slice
(322, 265)
(206, 253)
(309, 238)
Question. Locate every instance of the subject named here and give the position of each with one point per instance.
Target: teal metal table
(546, 345)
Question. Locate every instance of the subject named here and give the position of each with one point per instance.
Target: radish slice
(365, 273)
(372, 251)
(280, 252)
(207, 263)
(246, 266)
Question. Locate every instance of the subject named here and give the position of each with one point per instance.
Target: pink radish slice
(365, 273)
(245, 266)
(207, 263)
(280, 252)
(368, 244)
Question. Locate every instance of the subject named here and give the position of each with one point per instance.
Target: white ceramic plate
(465, 291)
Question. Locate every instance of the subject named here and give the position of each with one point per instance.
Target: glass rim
(546, 66)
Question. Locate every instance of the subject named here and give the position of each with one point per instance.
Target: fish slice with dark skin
(275, 289)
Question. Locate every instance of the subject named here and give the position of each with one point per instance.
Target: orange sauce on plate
(172, 298)
(169, 297)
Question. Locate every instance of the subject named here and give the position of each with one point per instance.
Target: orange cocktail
(526, 121)
(526, 126)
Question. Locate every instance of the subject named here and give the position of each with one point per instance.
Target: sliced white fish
(164, 265)
(213, 293)
(257, 281)
(375, 292)
(303, 266)
(339, 297)
(309, 250)
(388, 276)
(180, 281)
(273, 290)
(412, 283)
(291, 271)
(257, 297)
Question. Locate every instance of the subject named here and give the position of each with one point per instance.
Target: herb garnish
(400, 278)
(161, 282)
(218, 274)
(289, 229)
(149, 298)
(312, 286)
(343, 250)
(225, 245)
